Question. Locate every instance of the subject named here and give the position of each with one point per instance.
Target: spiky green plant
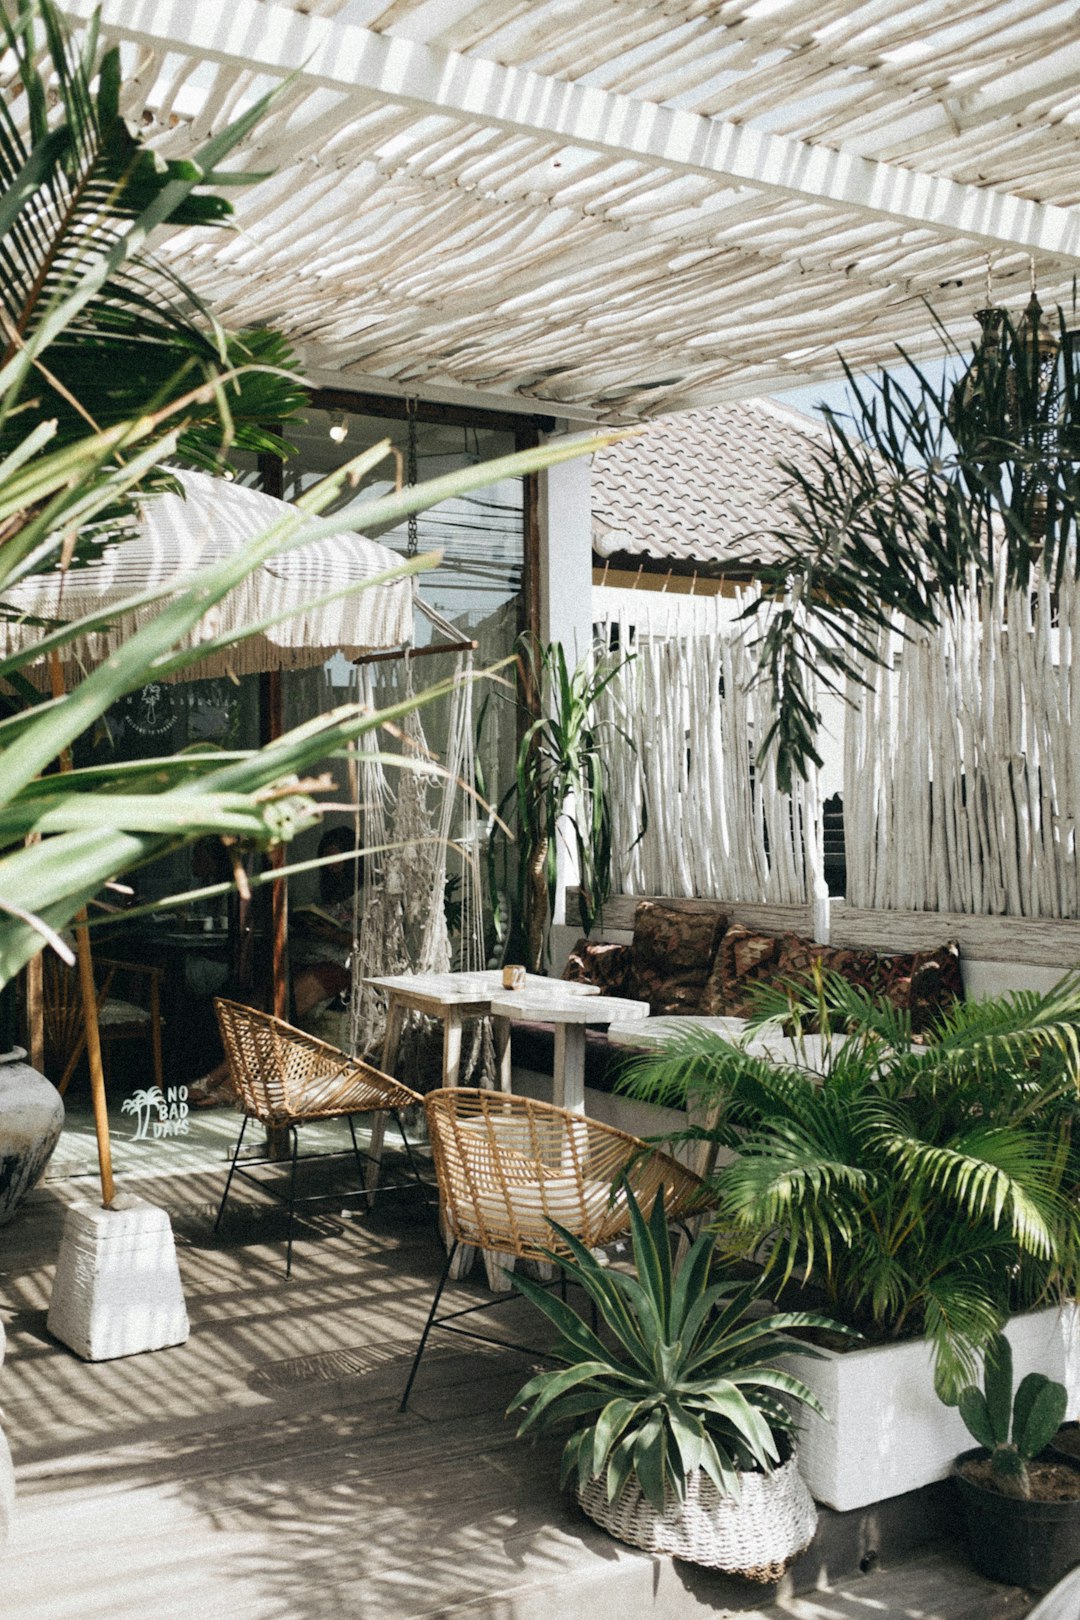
(681, 1378)
(928, 1190)
(913, 493)
(1037, 1413)
(560, 789)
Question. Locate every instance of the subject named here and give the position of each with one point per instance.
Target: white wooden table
(570, 1014)
(453, 997)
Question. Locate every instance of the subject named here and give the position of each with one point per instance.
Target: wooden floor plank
(263, 1472)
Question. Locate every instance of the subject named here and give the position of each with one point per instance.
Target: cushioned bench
(683, 961)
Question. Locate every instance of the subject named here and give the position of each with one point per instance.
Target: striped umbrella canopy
(176, 535)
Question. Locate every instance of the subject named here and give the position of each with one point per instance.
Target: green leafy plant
(80, 201)
(923, 486)
(683, 1378)
(921, 1190)
(96, 331)
(560, 790)
(1037, 1413)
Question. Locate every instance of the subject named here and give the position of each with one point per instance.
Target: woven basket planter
(757, 1537)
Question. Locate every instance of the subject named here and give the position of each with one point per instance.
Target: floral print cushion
(597, 962)
(924, 984)
(673, 954)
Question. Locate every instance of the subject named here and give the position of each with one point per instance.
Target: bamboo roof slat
(498, 194)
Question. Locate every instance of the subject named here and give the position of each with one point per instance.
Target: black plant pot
(1020, 1543)
(1065, 1446)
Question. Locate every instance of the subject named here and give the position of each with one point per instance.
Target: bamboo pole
(88, 993)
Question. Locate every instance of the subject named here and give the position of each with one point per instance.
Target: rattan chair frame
(285, 1078)
(507, 1166)
(65, 1026)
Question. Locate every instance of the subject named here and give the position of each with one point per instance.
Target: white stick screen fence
(962, 763)
(692, 812)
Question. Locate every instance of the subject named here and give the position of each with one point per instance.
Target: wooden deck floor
(261, 1471)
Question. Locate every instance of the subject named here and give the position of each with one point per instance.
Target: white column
(566, 610)
(566, 556)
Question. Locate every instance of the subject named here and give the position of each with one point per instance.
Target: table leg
(395, 1019)
(451, 1076)
(451, 1047)
(569, 1067)
(500, 1029)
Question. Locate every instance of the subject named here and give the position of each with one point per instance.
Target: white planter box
(887, 1432)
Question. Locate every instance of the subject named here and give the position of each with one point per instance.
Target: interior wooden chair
(128, 1008)
(508, 1166)
(285, 1078)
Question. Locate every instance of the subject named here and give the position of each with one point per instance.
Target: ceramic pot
(31, 1117)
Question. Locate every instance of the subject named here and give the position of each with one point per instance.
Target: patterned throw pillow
(672, 955)
(799, 957)
(597, 962)
(924, 983)
(743, 959)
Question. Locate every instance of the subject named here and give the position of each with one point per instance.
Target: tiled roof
(700, 486)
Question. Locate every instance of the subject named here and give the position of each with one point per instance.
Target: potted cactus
(1021, 1509)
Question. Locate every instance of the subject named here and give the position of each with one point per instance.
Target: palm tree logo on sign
(158, 1113)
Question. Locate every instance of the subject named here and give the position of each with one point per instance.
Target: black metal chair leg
(427, 1326)
(357, 1155)
(232, 1172)
(292, 1201)
(413, 1166)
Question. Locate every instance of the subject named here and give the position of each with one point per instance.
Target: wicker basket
(757, 1537)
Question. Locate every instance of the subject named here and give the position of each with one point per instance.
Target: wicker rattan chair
(120, 1015)
(284, 1079)
(508, 1166)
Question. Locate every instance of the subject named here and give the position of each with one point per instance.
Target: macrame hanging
(406, 830)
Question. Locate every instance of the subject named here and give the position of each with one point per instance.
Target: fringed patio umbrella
(176, 535)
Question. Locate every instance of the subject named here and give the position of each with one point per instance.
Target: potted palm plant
(924, 1195)
(1021, 1508)
(680, 1418)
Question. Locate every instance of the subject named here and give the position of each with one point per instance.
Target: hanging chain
(410, 473)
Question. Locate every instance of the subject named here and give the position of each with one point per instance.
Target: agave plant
(923, 1190)
(1036, 1414)
(683, 1378)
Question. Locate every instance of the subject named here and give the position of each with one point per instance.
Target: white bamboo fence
(962, 763)
(693, 814)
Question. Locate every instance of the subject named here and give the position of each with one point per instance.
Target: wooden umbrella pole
(88, 993)
(93, 1056)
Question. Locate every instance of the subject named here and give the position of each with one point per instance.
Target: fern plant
(1037, 1413)
(923, 1190)
(683, 1378)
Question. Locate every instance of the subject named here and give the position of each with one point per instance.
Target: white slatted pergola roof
(614, 208)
